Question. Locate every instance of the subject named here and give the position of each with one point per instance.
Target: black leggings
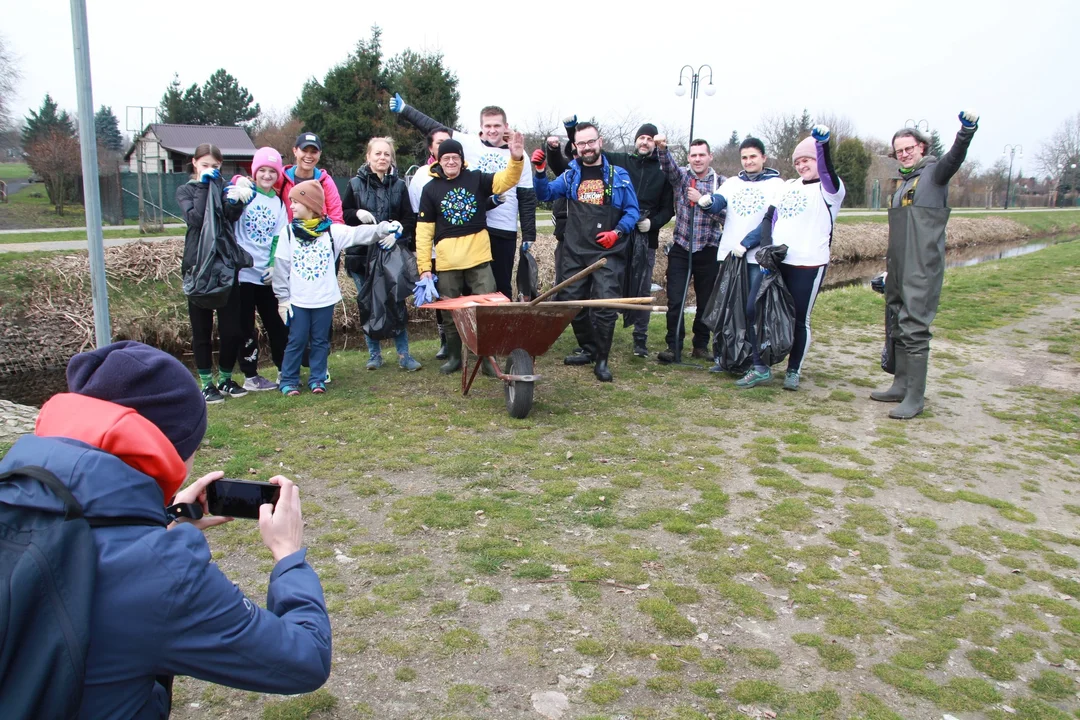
(803, 283)
(503, 247)
(260, 298)
(230, 334)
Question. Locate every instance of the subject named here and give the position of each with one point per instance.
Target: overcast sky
(879, 64)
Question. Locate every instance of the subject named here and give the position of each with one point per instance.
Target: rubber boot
(898, 390)
(487, 368)
(916, 388)
(453, 355)
(441, 355)
(600, 370)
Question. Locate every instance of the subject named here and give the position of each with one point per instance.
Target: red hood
(117, 430)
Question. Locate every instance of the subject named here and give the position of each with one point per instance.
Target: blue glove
(969, 119)
(396, 103)
(525, 246)
(820, 133)
(267, 276)
(569, 121)
(425, 291)
(209, 175)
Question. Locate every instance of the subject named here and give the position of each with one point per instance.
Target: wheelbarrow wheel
(519, 394)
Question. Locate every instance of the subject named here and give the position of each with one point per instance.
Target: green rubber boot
(916, 388)
(453, 354)
(898, 390)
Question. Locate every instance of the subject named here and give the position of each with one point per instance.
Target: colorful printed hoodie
(161, 607)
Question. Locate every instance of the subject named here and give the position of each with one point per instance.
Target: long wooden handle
(605, 304)
(601, 301)
(570, 281)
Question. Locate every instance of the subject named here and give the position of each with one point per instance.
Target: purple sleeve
(830, 181)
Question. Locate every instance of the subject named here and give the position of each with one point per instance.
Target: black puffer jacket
(387, 200)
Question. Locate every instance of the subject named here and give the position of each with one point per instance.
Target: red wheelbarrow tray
(492, 325)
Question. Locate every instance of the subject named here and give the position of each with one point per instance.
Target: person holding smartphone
(123, 441)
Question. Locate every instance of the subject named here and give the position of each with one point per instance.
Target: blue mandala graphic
(312, 261)
(793, 203)
(492, 162)
(260, 221)
(458, 206)
(748, 201)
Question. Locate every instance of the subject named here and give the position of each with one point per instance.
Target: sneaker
(409, 364)
(259, 384)
(666, 357)
(229, 388)
(374, 363)
(640, 350)
(791, 380)
(290, 390)
(211, 395)
(716, 367)
(753, 378)
(317, 388)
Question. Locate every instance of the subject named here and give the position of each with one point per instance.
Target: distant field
(14, 171)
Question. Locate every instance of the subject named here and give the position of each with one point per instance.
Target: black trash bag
(391, 279)
(638, 279)
(210, 279)
(888, 351)
(774, 310)
(725, 314)
(528, 276)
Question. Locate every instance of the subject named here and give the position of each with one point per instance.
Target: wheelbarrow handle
(571, 280)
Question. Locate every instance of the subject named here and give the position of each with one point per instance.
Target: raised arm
(830, 181)
(948, 165)
(419, 120)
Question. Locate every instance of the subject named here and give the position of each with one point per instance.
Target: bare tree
(9, 78)
(876, 146)
(620, 134)
(277, 129)
(56, 158)
(841, 127)
(781, 134)
(540, 128)
(1062, 149)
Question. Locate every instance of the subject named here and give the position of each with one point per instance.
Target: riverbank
(46, 309)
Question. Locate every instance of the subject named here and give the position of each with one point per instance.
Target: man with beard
(655, 203)
(452, 219)
(489, 152)
(601, 212)
(693, 255)
(916, 257)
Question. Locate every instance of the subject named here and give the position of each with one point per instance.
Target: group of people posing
(460, 214)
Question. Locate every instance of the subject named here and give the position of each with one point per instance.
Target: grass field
(80, 234)
(14, 171)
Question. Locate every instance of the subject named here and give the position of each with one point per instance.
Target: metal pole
(693, 106)
(91, 192)
(1008, 183)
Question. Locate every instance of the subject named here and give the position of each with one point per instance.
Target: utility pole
(1012, 150)
(140, 154)
(91, 191)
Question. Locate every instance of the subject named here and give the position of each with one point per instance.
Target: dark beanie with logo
(149, 381)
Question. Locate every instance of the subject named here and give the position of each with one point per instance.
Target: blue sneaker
(374, 363)
(408, 363)
(290, 390)
(753, 378)
(317, 387)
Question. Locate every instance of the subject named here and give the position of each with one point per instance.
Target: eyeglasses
(587, 143)
(910, 150)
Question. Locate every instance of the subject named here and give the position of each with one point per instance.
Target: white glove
(244, 182)
(236, 193)
(364, 217)
(284, 309)
(738, 251)
(389, 232)
(705, 202)
(644, 225)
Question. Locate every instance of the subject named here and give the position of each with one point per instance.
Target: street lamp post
(695, 78)
(680, 90)
(1012, 150)
(923, 125)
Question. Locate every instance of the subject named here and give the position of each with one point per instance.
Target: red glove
(607, 239)
(539, 160)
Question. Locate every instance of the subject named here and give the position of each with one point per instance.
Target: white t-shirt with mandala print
(805, 215)
(264, 218)
(492, 160)
(746, 206)
(312, 280)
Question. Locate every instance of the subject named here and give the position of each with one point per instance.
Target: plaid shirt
(695, 228)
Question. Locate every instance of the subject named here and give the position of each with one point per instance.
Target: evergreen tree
(935, 148)
(733, 141)
(107, 127)
(181, 107)
(423, 77)
(852, 161)
(42, 123)
(224, 102)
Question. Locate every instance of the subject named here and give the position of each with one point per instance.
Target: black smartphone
(240, 498)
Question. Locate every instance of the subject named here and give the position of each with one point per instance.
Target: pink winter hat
(267, 156)
(805, 149)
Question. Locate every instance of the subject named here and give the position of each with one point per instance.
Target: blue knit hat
(150, 382)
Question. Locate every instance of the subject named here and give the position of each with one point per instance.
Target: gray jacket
(928, 183)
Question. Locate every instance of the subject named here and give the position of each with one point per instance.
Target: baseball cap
(305, 139)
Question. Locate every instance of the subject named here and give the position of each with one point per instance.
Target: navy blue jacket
(161, 607)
